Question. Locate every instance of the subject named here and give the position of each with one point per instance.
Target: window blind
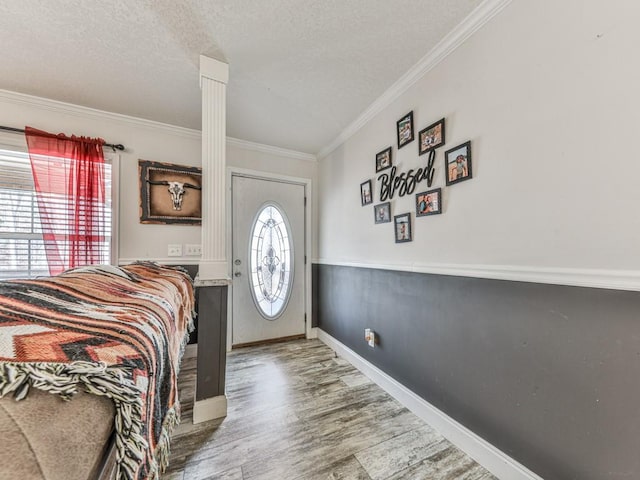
(22, 249)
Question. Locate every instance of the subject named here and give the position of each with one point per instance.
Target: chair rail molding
(577, 277)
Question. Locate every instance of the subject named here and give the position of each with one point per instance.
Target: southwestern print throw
(116, 332)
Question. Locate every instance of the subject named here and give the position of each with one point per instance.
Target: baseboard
(493, 459)
(209, 409)
(269, 341)
(313, 333)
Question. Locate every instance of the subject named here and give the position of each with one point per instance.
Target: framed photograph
(431, 137)
(383, 160)
(457, 162)
(429, 202)
(402, 227)
(382, 212)
(170, 194)
(405, 129)
(366, 193)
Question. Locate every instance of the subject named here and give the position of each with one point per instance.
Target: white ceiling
(300, 70)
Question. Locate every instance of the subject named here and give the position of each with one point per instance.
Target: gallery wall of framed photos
(415, 179)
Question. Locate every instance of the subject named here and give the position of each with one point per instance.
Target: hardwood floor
(298, 412)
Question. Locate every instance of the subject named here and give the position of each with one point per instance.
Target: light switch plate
(193, 249)
(174, 250)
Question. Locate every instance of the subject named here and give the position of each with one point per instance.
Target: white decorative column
(214, 76)
(213, 277)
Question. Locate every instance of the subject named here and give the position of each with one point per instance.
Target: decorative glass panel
(271, 262)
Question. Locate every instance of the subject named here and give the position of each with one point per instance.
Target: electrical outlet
(193, 249)
(370, 337)
(174, 250)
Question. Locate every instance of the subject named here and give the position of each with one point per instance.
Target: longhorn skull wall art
(170, 193)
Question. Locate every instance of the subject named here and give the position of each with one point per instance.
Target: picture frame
(382, 212)
(402, 227)
(383, 159)
(457, 163)
(404, 130)
(366, 193)
(170, 193)
(431, 137)
(429, 202)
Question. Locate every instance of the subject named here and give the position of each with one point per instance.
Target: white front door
(268, 225)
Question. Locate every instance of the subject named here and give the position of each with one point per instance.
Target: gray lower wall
(548, 374)
(212, 342)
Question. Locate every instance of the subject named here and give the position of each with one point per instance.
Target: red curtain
(68, 173)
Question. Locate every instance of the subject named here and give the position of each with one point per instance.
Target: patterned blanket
(116, 332)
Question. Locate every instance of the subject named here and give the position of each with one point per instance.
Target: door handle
(237, 274)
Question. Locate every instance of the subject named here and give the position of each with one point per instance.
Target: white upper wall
(148, 141)
(547, 92)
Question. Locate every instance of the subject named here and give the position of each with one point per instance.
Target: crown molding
(261, 147)
(87, 112)
(473, 22)
(577, 277)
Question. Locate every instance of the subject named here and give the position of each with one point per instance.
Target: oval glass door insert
(271, 261)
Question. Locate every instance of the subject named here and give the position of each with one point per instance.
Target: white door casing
(249, 196)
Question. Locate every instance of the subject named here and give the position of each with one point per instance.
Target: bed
(88, 367)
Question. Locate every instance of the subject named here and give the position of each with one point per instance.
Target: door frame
(260, 175)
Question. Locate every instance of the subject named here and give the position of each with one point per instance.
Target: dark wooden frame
(408, 116)
(378, 158)
(376, 208)
(362, 199)
(469, 175)
(435, 191)
(395, 227)
(424, 131)
(150, 172)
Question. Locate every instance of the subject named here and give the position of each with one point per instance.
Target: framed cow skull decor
(170, 194)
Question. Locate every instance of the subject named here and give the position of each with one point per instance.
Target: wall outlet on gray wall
(370, 337)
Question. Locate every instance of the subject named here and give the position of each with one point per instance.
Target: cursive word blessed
(405, 183)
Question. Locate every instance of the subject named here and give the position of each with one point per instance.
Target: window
(271, 262)
(22, 253)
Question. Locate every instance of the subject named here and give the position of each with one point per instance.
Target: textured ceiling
(300, 70)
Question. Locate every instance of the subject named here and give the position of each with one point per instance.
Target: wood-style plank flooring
(296, 411)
